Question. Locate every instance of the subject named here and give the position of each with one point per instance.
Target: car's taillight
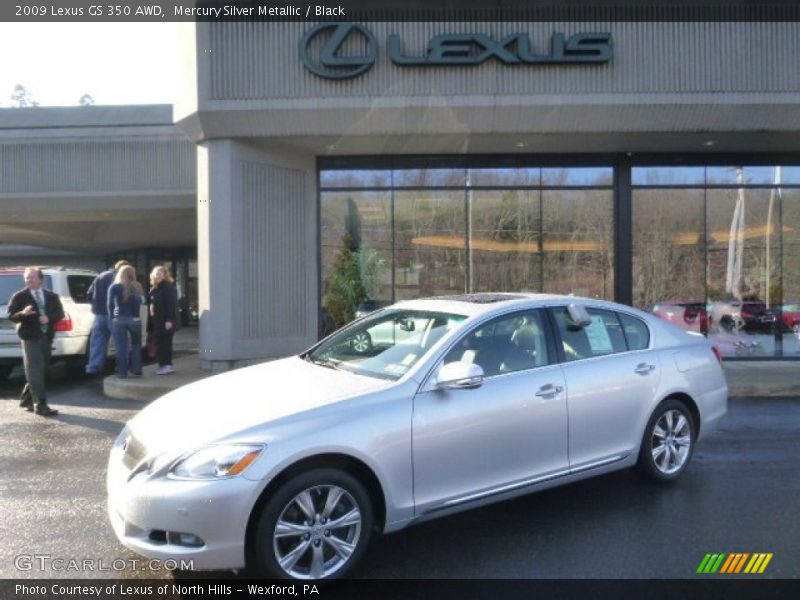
(64, 324)
(717, 353)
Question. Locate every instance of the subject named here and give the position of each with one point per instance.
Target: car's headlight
(158, 462)
(122, 437)
(217, 461)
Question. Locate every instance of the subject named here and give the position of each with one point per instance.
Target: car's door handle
(549, 390)
(644, 369)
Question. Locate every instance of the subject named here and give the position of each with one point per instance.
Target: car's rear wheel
(316, 526)
(668, 442)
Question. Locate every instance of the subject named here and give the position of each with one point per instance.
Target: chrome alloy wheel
(672, 442)
(362, 343)
(317, 532)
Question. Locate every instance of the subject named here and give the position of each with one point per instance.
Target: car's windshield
(385, 344)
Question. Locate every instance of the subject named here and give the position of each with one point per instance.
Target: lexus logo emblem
(331, 62)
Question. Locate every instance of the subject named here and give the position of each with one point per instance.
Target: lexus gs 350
(287, 467)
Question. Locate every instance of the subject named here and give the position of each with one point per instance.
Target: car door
(612, 377)
(510, 431)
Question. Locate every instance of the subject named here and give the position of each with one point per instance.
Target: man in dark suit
(35, 310)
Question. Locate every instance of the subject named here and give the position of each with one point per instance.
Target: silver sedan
(455, 402)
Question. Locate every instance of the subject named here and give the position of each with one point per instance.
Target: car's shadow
(526, 537)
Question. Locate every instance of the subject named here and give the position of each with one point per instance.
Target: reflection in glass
(668, 175)
(578, 176)
(430, 177)
(505, 241)
(744, 289)
(430, 243)
(668, 254)
(352, 178)
(740, 175)
(790, 175)
(790, 272)
(578, 238)
(504, 177)
(356, 251)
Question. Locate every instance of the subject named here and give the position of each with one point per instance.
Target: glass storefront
(712, 248)
(715, 250)
(389, 235)
(181, 262)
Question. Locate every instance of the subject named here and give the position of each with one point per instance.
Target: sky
(115, 63)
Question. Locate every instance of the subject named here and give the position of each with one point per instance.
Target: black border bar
(398, 10)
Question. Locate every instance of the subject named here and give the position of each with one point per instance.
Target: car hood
(223, 405)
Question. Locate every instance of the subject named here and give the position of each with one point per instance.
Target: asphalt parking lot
(740, 494)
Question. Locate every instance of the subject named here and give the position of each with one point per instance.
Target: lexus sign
(327, 50)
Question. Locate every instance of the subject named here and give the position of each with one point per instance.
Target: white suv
(72, 333)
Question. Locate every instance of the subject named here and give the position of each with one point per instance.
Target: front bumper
(216, 511)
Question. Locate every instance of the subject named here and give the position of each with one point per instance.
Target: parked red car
(690, 315)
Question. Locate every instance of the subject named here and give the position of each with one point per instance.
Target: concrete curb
(150, 386)
(767, 379)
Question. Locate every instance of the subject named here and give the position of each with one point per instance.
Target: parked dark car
(749, 316)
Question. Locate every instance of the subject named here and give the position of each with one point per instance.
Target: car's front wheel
(668, 442)
(362, 342)
(316, 526)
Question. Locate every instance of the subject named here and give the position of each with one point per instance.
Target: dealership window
(712, 248)
(715, 250)
(388, 235)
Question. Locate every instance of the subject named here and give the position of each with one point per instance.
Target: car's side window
(636, 332)
(504, 345)
(78, 286)
(601, 337)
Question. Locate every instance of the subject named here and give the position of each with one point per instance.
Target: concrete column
(257, 253)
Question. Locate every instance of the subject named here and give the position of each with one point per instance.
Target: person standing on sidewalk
(124, 301)
(35, 311)
(163, 316)
(101, 328)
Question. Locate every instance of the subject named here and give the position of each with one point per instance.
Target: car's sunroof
(480, 298)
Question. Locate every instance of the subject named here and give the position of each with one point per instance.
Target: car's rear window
(13, 282)
(78, 286)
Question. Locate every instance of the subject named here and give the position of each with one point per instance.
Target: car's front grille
(134, 452)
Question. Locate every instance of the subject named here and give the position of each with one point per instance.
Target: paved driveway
(741, 494)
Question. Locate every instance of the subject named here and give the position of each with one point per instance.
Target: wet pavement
(740, 494)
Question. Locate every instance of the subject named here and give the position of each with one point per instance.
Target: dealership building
(655, 163)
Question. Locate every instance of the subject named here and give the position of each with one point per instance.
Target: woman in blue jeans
(124, 301)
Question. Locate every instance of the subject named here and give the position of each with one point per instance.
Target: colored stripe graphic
(732, 558)
(703, 563)
(749, 567)
(767, 558)
(729, 564)
(711, 563)
(716, 565)
(741, 563)
(734, 563)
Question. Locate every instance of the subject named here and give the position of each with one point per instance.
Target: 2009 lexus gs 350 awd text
(418, 410)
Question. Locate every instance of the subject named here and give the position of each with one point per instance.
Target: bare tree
(22, 97)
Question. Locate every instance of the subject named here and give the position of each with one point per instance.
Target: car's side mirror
(459, 376)
(579, 315)
(407, 325)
